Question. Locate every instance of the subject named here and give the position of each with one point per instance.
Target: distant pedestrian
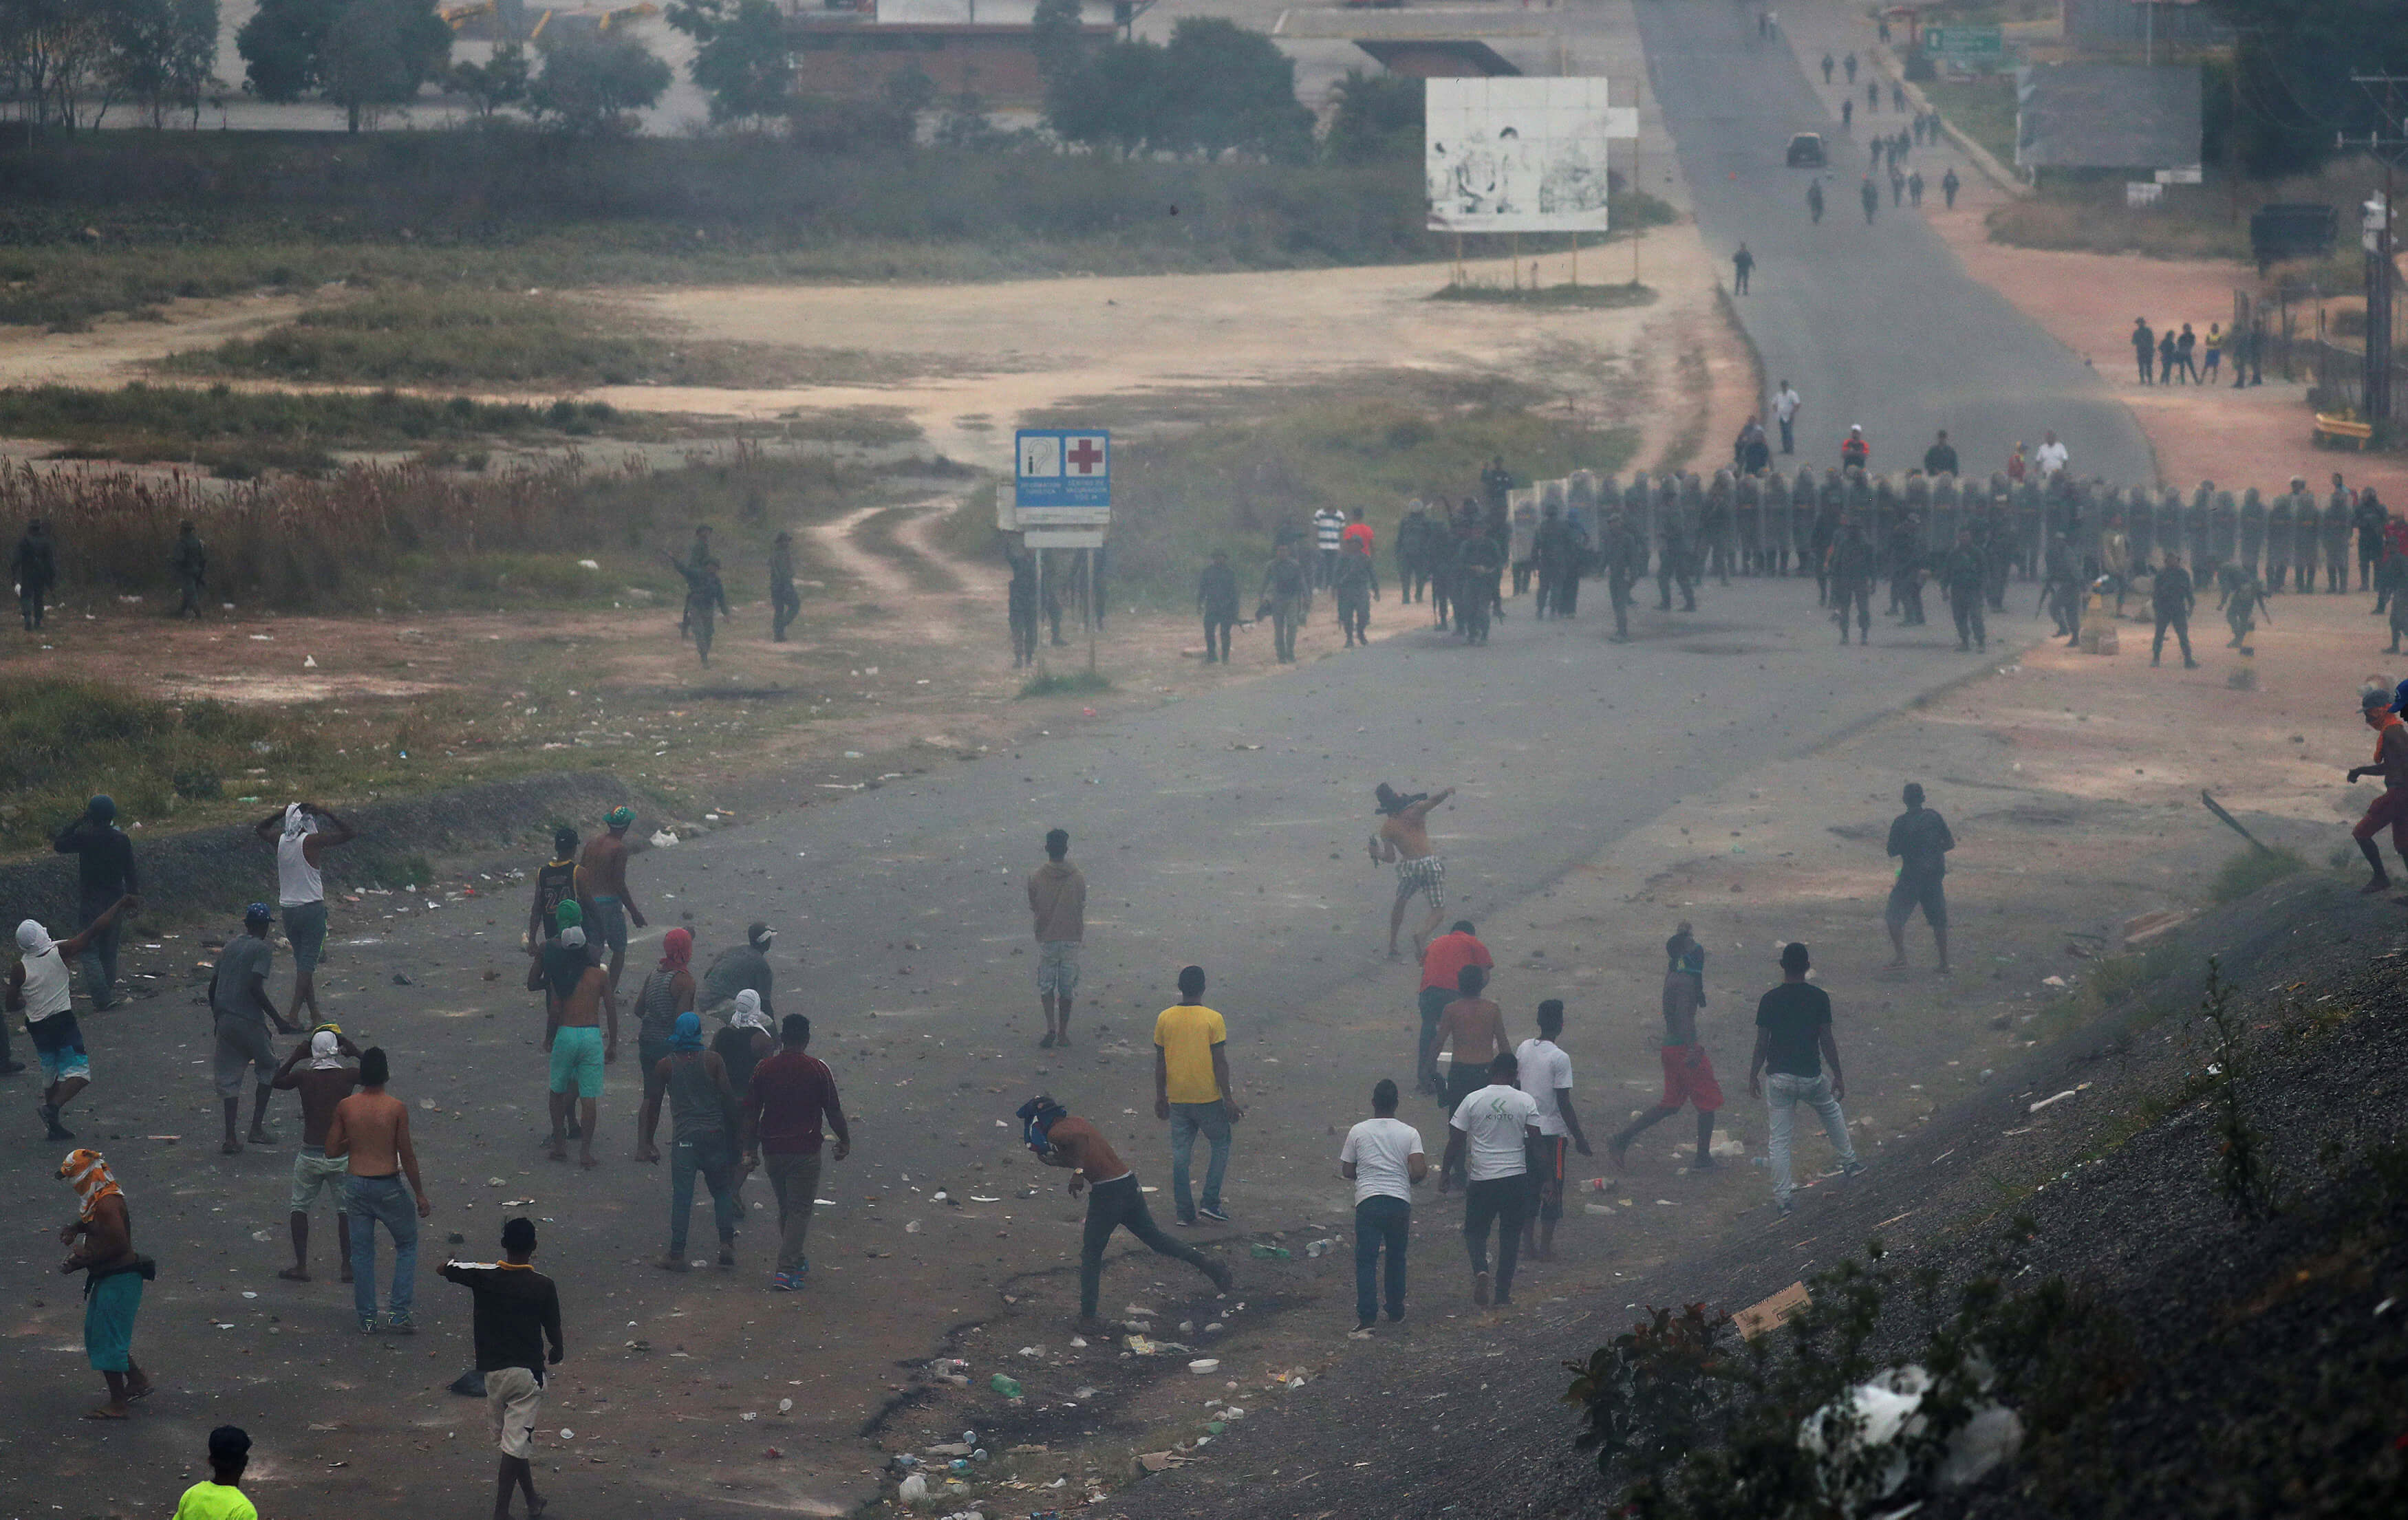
(555, 882)
(1847, 114)
(1914, 188)
(1688, 1073)
(666, 996)
(1328, 530)
(1742, 264)
(580, 1037)
(189, 561)
(104, 872)
(1919, 841)
(113, 1275)
(2144, 347)
(2052, 457)
(1192, 1091)
(219, 1496)
(1355, 584)
(303, 832)
(1785, 404)
(332, 1076)
(1382, 1157)
(1793, 1044)
(1489, 1143)
(1940, 458)
(34, 567)
(1897, 96)
(2171, 597)
(518, 1310)
(2212, 349)
(1872, 199)
(1020, 602)
(1949, 186)
(1285, 594)
(785, 603)
(1897, 182)
(1545, 1073)
(2169, 363)
(371, 1131)
(1216, 601)
(1851, 65)
(2186, 346)
(1872, 97)
(1057, 902)
(38, 991)
(1855, 451)
(240, 1011)
(1115, 1201)
(1815, 199)
(1827, 65)
(791, 1098)
(2390, 808)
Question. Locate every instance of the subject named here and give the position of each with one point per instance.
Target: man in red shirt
(792, 1092)
(1442, 964)
(1354, 529)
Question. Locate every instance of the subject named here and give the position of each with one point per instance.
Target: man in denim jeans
(1191, 1089)
(371, 1128)
(1382, 1157)
(1793, 1042)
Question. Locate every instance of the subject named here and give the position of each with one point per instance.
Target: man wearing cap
(113, 1272)
(37, 988)
(241, 1011)
(700, 1141)
(221, 1498)
(331, 1075)
(740, 967)
(1057, 901)
(602, 891)
(104, 872)
(518, 1312)
(302, 832)
(1793, 1043)
(2389, 808)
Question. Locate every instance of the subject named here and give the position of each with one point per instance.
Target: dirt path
(121, 348)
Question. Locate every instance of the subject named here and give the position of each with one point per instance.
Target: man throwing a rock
(1403, 841)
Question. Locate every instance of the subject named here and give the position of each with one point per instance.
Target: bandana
(686, 1033)
(1036, 1117)
(90, 1176)
(618, 817)
(298, 821)
(568, 915)
(326, 1051)
(748, 1013)
(33, 938)
(258, 913)
(573, 937)
(677, 948)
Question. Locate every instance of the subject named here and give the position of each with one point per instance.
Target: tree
(2290, 90)
(1234, 88)
(279, 47)
(165, 53)
(743, 58)
(378, 52)
(500, 81)
(1378, 116)
(1056, 38)
(591, 83)
(59, 53)
(1118, 98)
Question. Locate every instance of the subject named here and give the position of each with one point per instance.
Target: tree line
(70, 62)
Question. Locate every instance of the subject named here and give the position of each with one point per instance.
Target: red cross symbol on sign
(1086, 456)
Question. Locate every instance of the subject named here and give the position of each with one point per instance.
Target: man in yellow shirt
(221, 1497)
(1191, 1089)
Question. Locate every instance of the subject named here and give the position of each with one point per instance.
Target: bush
(2246, 872)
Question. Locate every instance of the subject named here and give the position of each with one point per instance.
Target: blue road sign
(1064, 469)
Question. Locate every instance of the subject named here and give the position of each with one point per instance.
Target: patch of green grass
(1077, 683)
(1983, 109)
(1597, 297)
(2246, 872)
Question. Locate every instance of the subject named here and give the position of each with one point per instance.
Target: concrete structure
(1425, 58)
(978, 47)
(2107, 116)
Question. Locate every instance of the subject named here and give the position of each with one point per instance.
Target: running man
(328, 1080)
(1919, 841)
(1115, 1201)
(1793, 1044)
(2391, 808)
(1057, 902)
(1403, 841)
(602, 891)
(113, 1275)
(241, 1010)
(573, 1038)
(1488, 1141)
(1688, 1074)
(38, 989)
(1546, 1076)
(302, 832)
(518, 1310)
(370, 1130)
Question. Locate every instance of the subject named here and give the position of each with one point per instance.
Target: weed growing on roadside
(1077, 683)
(2244, 874)
(2247, 1178)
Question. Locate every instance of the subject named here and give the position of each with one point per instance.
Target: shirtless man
(2390, 808)
(1475, 1029)
(113, 1272)
(602, 891)
(1115, 1201)
(579, 1050)
(325, 1082)
(1403, 841)
(371, 1131)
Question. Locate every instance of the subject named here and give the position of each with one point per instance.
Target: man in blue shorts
(39, 990)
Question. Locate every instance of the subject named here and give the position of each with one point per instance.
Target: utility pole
(2389, 143)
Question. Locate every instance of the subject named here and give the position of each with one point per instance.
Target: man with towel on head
(602, 891)
(331, 1076)
(38, 989)
(302, 832)
(112, 1280)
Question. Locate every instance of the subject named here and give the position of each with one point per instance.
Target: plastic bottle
(1008, 1386)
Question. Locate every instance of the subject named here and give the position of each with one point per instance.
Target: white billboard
(1520, 155)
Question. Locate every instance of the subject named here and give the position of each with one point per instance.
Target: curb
(1981, 157)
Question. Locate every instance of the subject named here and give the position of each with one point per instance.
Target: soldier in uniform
(1284, 585)
(704, 599)
(2141, 521)
(1714, 528)
(2063, 587)
(34, 567)
(2029, 538)
(1216, 601)
(2257, 546)
(1523, 549)
(1850, 578)
(2307, 538)
(1412, 549)
(190, 564)
(2223, 524)
(1827, 503)
(1624, 553)
(1966, 578)
(1905, 558)
(1551, 547)
(1747, 515)
(2368, 520)
(2282, 516)
(2336, 536)
(2171, 596)
(697, 554)
(1674, 562)
(2116, 559)
(1356, 583)
(1479, 569)
(785, 605)
(1805, 493)
(2244, 602)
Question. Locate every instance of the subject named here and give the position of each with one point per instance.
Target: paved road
(1875, 324)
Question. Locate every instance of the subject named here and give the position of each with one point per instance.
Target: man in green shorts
(579, 1050)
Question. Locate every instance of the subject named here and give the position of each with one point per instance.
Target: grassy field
(2193, 222)
(1221, 473)
(1983, 109)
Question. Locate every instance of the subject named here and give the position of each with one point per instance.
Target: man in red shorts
(1688, 1075)
(2391, 808)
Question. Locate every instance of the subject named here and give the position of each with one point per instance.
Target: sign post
(1062, 498)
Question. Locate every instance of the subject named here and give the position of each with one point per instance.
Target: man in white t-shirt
(1546, 1076)
(1784, 409)
(2052, 457)
(1382, 1157)
(1489, 1140)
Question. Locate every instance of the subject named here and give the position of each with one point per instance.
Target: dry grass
(2193, 222)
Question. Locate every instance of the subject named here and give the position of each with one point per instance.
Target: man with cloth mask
(38, 989)
(302, 832)
(332, 1076)
(112, 1280)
